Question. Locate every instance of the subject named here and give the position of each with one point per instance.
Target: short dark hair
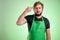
(38, 2)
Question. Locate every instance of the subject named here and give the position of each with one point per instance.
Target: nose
(37, 9)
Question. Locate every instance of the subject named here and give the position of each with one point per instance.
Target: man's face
(38, 9)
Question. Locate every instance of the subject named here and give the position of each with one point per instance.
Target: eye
(36, 8)
(39, 8)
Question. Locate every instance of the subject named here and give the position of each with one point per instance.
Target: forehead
(38, 5)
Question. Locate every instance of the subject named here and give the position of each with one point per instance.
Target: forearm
(21, 18)
(22, 15)
(28, 9)
(48, 34)
(48, 38)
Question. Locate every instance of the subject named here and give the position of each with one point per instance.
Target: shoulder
(47, 23)
(45, 19)
(29, 16)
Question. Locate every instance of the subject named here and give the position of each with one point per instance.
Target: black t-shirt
(29, 19)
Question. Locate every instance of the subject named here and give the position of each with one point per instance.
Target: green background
(12, 9)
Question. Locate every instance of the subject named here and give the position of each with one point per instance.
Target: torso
(29, 19)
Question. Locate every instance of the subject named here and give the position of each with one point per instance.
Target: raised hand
(28, 9)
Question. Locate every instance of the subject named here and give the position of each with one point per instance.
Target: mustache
(38, 14)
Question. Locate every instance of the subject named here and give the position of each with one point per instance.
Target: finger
(29, 7)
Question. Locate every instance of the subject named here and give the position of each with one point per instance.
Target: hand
(28, 9)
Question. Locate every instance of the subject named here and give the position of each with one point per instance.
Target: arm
(48, 34)
(21, 19)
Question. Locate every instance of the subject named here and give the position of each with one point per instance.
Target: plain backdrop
(12, 9)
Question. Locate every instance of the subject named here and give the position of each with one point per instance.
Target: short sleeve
(47, 24)
(28, 18)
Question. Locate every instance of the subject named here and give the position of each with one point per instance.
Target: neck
(38, 17)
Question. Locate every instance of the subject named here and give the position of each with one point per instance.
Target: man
(37, 24)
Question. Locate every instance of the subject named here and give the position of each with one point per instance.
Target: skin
(37, 9)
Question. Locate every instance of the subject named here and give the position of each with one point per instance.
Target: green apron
(37, 31)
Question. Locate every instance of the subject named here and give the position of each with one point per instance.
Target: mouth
(38, 14)
(38, 11)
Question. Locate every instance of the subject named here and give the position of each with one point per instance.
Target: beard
(38, 14)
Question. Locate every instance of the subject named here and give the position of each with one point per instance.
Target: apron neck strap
(35, 16)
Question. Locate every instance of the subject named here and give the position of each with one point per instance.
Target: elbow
(17, 23)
